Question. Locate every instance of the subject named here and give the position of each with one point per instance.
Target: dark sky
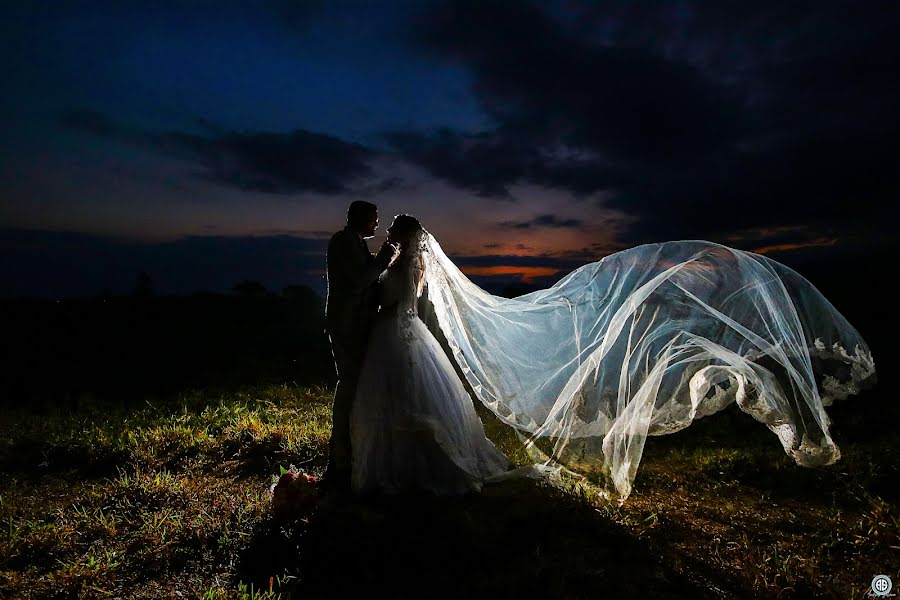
(208, 142)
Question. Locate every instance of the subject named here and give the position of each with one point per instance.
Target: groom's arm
(350, 266)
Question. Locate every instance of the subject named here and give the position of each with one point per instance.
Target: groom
(350, 309)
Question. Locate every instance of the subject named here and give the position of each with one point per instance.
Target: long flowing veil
(647, 340)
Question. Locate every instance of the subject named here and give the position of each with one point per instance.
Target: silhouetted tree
(305, 297)
(300, 292)
(205, 294)
(143, 286)
(249, 289)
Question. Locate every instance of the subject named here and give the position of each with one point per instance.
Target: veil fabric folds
(647, 340)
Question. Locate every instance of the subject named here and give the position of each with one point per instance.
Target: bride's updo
(404, 227)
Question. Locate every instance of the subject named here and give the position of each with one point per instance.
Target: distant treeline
(127, 347)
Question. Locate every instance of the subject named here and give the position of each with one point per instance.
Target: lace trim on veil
(862, 371)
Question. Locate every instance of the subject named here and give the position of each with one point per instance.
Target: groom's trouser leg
(347, 359)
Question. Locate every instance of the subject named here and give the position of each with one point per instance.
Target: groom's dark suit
(350, 310)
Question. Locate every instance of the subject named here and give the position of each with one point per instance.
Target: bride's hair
(407, 228)
(405, 225)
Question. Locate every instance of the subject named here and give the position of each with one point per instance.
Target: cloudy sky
(207, 142)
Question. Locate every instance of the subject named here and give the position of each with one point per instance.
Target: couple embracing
(640, 343)
(402, 419)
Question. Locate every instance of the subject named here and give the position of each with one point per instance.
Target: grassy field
(170, 499)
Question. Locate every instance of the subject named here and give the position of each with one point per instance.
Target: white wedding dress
(641, 343)
(413, 426)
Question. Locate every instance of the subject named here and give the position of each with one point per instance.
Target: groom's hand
(386, 253)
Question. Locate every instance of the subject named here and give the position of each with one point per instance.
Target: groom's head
(362, 217)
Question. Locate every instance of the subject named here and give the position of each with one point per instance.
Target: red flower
(287, 478)
(295, 493)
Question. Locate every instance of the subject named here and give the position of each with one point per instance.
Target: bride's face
(397, 235)
(393, 236)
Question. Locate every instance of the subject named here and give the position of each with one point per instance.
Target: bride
(413, 426)
(640, 343)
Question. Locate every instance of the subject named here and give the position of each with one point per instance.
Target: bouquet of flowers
(293, 492)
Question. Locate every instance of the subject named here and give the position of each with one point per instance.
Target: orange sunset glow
(782, 247)
(528, 274)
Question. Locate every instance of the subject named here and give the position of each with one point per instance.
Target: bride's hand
(388, 251)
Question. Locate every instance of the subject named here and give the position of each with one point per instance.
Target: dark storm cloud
(542, 78)
(543, 221)
(483, 163)
(62, 264)
(699, 119)
(774, 236)
(276, 163)
(488, 163)
(570, 114)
